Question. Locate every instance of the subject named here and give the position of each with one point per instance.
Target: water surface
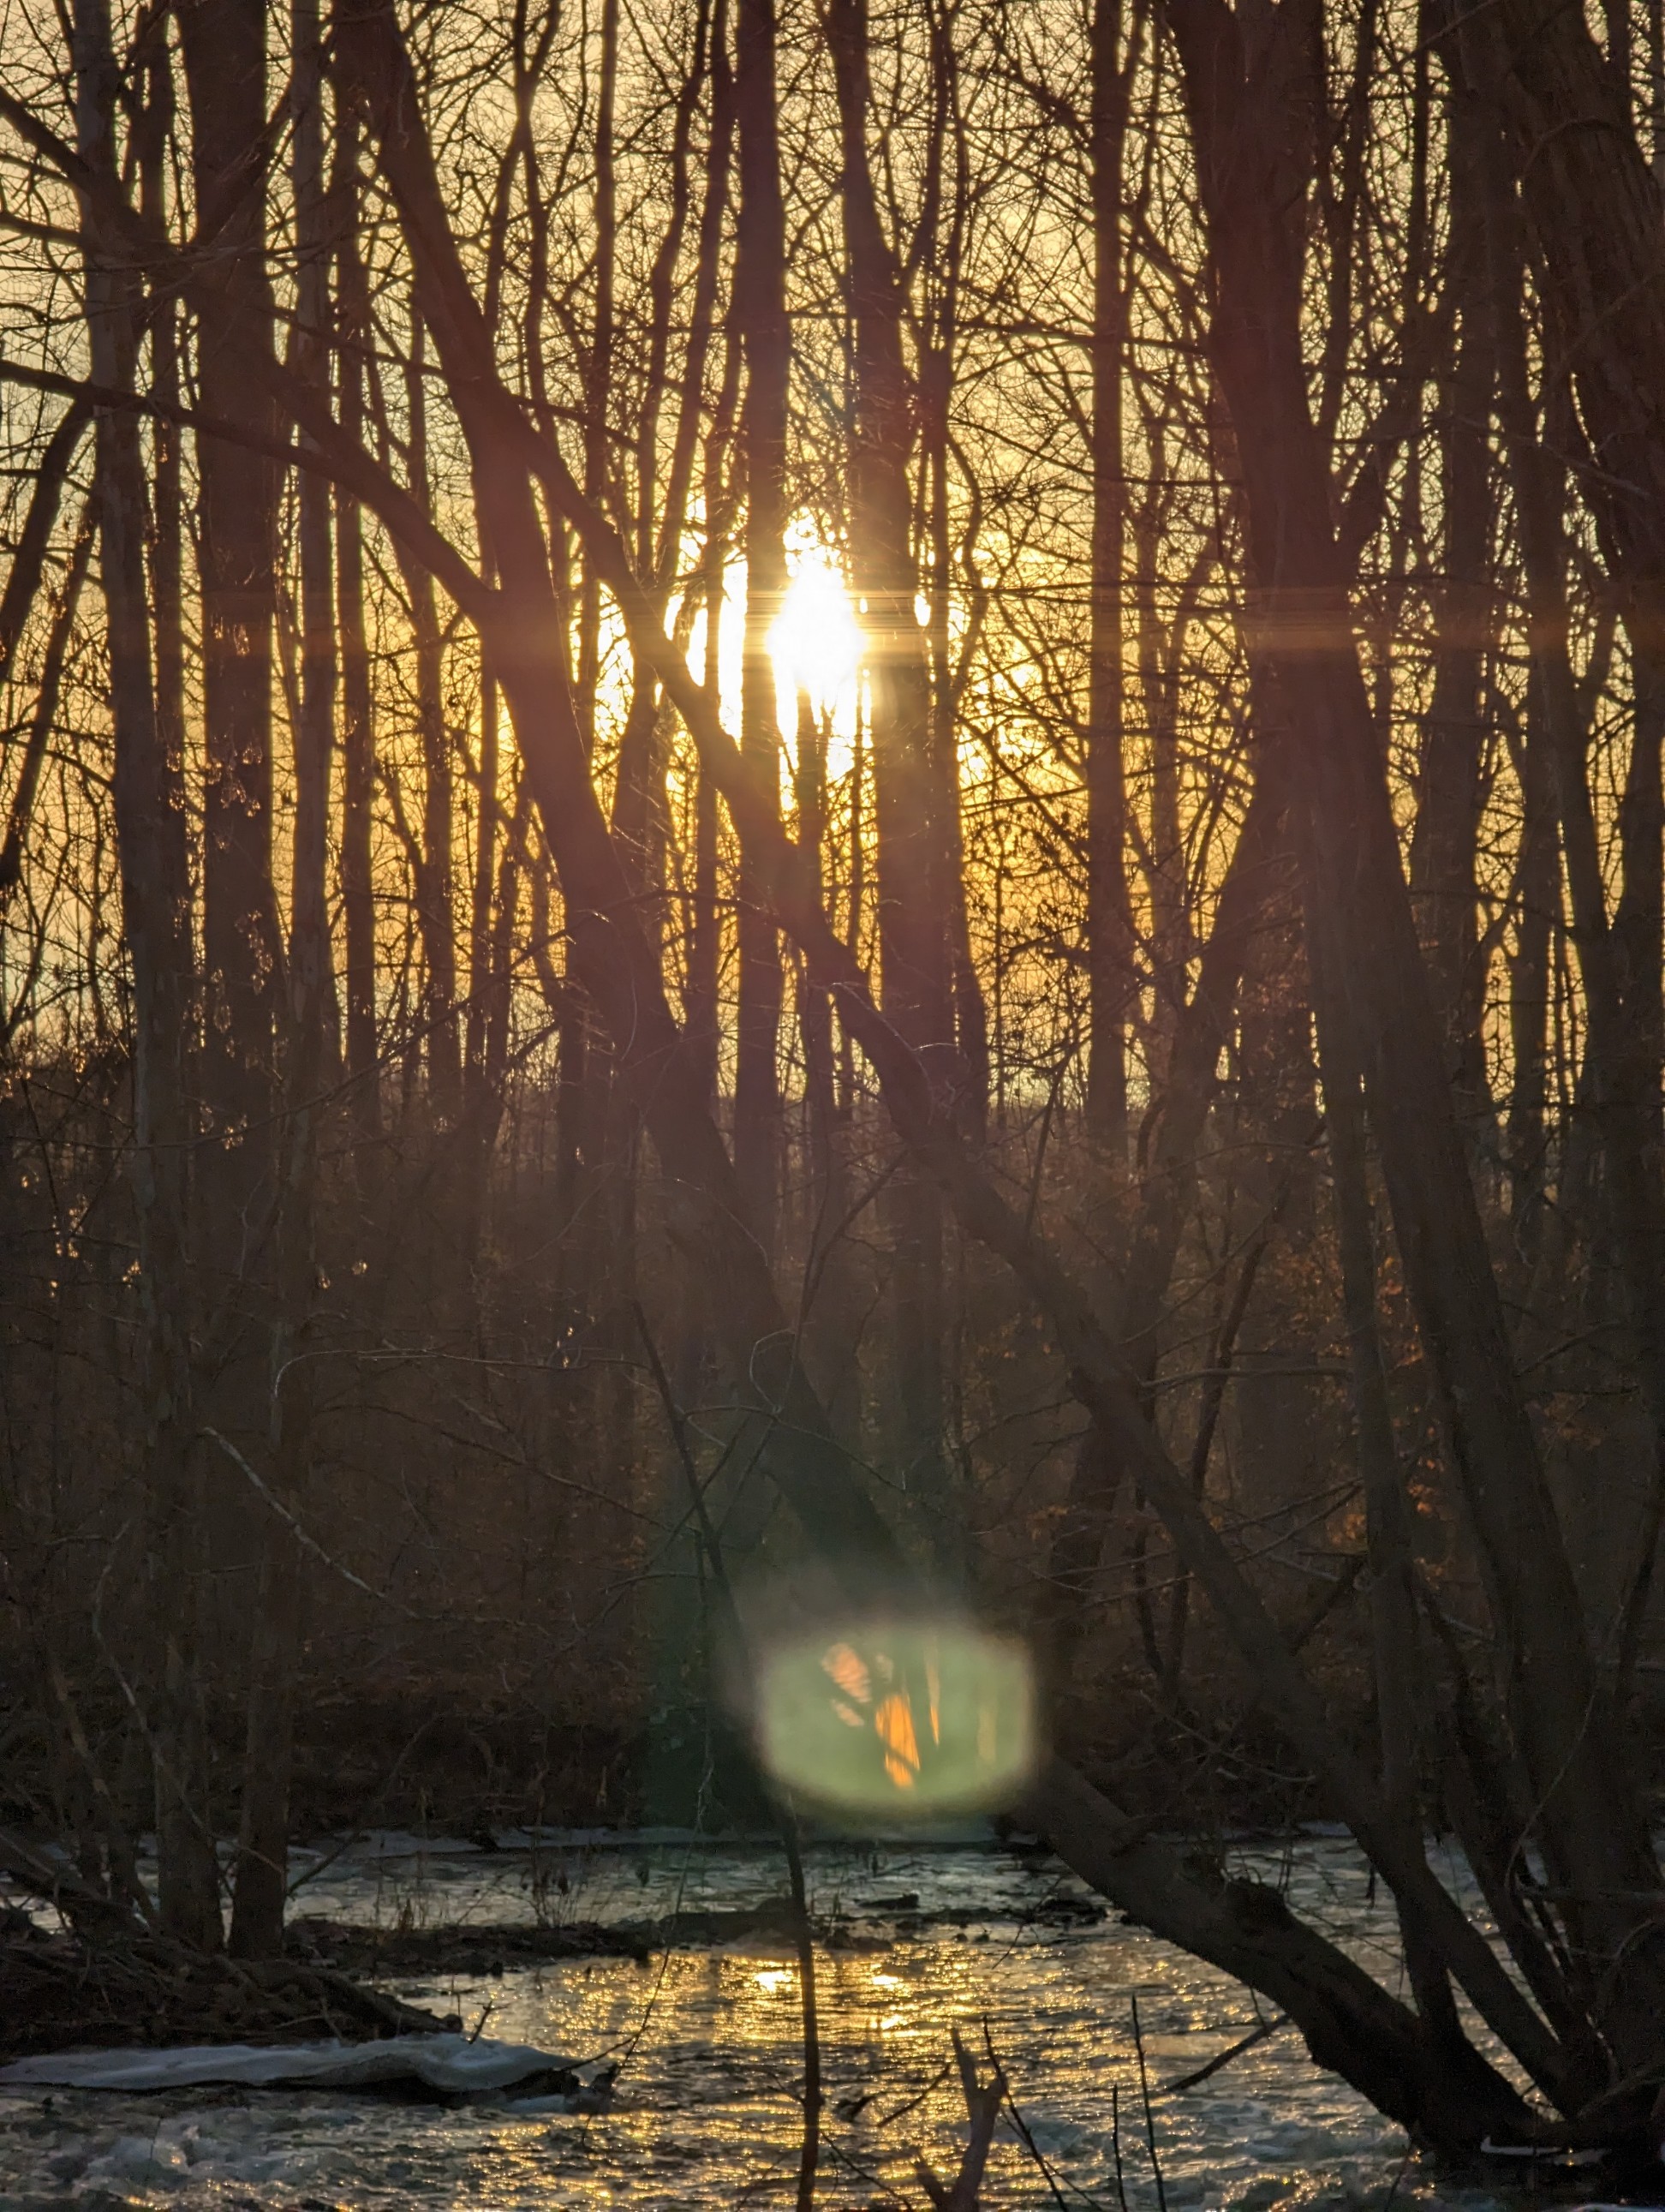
(708, 2108)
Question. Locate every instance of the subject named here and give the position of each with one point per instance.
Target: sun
(816, 640)
(814, 646)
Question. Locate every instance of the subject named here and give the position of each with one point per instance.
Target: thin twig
(983, 2100)
(1256, 2034)
(1150, 2118)
(810, 2152)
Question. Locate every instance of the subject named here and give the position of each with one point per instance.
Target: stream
(707, 2109)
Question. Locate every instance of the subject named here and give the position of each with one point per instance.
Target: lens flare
(898, 1718)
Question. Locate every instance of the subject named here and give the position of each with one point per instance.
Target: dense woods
(907, 756)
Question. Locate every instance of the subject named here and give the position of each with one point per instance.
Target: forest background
(909, 758)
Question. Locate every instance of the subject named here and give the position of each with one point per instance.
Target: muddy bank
(60, 1992)
(500, 1948)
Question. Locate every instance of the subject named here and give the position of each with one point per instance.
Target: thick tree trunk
(1445, 2095)
(156, 922)
(260, 1890)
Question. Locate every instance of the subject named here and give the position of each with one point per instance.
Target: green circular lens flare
(884, 1717)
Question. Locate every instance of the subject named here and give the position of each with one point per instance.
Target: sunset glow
(816, 642)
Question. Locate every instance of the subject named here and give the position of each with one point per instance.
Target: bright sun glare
(815, 643)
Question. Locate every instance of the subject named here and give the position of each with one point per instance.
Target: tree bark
(42, 720)
(358, 743)
(225, 61)
(436, 863)
(260, 1880)
(1591, 1824)
(760, 309)
(1112, 967)
(909, 804)
(156, 920)
(1450, 794)
(311, 967)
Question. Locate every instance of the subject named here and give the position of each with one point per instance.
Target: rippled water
(706, 2111)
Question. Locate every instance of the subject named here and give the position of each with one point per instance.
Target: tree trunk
(225, 60)
(358, 742)
(913, 904)
(436, 864)
(761, 313)
(1591, 1829)
(260, 1884)
(311, 966)
(42, 719)
(1111, 964)
(943, 246)
(1526, 1131)
(156, 920)
(1450, 795)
